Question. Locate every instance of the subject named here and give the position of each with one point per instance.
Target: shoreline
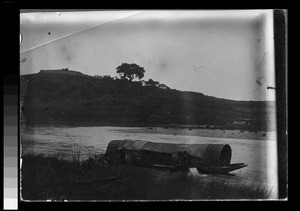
(76, 123)
(213, 133)
(177, 131)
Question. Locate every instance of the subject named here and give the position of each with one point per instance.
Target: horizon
(271, 101)
(223, 54)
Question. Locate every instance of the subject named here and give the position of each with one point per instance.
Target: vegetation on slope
(82, 99)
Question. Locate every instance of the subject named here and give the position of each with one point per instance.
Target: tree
(150, 82)
(104, 77)
(130, 71)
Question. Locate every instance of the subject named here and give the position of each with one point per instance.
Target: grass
(50, 177)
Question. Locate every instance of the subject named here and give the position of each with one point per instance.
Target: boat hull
(220, 169)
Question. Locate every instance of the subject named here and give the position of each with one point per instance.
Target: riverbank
(52, 178)
(216, 133)
(177, 131)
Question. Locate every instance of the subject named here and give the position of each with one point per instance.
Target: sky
(226, 54)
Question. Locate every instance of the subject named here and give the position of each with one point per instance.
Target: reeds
(51, 177)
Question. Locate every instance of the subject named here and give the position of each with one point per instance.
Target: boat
(206, 158)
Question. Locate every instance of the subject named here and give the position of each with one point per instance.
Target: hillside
(85, 100)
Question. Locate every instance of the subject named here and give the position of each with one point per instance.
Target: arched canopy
(210, 154)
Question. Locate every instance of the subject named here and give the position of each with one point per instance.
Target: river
(258, 152)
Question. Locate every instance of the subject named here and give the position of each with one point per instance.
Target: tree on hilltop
(130, 71)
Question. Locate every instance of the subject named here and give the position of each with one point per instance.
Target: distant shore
(190, 130)
(84, 123)
(216, 133)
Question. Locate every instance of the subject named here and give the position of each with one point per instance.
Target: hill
(75, 99)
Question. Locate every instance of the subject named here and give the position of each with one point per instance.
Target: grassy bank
(50, 177)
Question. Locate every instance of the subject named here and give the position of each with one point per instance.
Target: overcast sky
(226, 54)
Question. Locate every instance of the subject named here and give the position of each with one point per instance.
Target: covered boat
(207, 158)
